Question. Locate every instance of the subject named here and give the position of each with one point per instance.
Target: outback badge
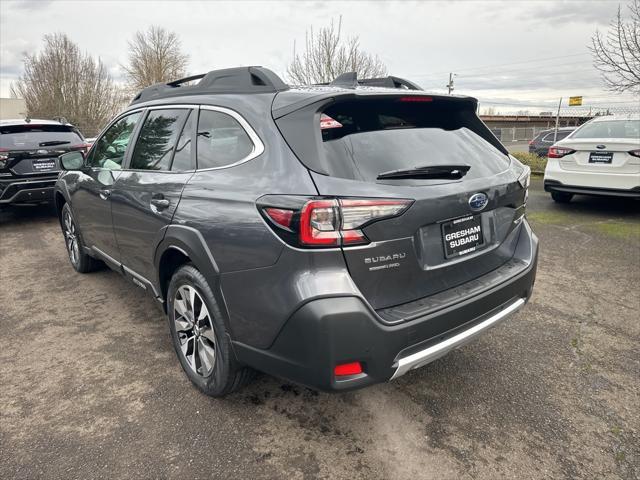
(478, 201)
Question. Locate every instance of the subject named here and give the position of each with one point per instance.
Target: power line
(483, 67)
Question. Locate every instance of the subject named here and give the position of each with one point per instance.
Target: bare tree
(61, 81)
(327, 54)
(617, 53)
(154, 56)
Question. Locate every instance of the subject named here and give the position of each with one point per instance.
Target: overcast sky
(517, 55)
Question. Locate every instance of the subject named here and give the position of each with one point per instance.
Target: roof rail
(229, 80)
(350, 80)
(390, 82)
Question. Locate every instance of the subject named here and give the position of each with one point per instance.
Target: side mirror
(71, 160)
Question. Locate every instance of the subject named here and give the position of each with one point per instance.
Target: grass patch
(621, 230)
(551, 218)
(536, 163)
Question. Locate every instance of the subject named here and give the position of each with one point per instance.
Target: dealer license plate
(462, 235)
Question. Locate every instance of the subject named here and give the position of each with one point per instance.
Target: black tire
(80, 261)
(561, 197)
(224, 374)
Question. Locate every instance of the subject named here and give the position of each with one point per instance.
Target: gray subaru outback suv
(335, 235)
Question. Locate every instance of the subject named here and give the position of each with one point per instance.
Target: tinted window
(221, 140)
(362, 139)
(610, 129)
(30, 136)
(154, 148)
(182, 157)
(110, 149)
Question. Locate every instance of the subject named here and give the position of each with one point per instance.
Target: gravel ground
(91, 388)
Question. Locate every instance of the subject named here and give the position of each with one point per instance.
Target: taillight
(319, 223)
(328, 222)
(559, 152)
(635, 153)
(415, 98)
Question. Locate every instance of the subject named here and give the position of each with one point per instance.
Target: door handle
(160, 203)
(105, 194)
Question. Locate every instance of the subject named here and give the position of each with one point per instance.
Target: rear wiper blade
(52, 143)
(453, 172)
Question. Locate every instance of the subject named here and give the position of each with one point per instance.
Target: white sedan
(602, 157)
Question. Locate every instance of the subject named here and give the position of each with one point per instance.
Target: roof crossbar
(228, 80)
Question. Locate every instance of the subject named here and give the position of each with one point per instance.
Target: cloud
(421, 41)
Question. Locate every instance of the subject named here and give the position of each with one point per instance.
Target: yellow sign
(575, 101)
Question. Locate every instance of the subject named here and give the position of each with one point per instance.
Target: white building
(11, 108)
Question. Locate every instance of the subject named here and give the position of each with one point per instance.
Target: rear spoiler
(299, 122)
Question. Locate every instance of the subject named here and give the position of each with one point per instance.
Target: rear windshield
(364, 139)
(610, 129)
(25, 137)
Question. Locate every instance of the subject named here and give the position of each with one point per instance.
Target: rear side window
(362, 139)
(33, 136)
(182, 158)
(221, 140)
(157, 138)
(609, 129)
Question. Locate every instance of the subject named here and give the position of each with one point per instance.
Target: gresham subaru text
(334, 235)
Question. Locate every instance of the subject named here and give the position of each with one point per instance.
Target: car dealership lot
(91, 387)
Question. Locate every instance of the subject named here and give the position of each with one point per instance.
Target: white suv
(602, 157)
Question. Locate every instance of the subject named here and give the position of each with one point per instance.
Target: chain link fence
(516, 131)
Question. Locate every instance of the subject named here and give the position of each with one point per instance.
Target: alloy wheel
(194, 329)
(71, 238)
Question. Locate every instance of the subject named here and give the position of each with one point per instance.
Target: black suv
(541, 142)
(335, 236)
(29, 151)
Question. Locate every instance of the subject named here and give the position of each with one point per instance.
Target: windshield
(610, 129)
(29, 136)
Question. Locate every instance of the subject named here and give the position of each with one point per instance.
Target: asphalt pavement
(90, 387)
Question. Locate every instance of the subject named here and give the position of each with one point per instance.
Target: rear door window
(34, 136)
(361, 139)
(222, 141)
(157, 139)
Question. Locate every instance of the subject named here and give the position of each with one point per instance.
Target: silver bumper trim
(428, 355)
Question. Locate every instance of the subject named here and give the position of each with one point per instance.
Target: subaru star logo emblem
(478, 201)
(601, 147)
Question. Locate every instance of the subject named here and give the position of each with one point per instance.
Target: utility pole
(555, 132)
(450, 84)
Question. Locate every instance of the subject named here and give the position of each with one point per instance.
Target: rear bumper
(556, 186)
(27, 191)
(331, 331)
(596, 182)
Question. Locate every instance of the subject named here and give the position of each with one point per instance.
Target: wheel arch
(185, 245)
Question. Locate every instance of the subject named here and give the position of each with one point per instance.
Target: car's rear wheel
(82, 262)
(200, 337)
(561, 197)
